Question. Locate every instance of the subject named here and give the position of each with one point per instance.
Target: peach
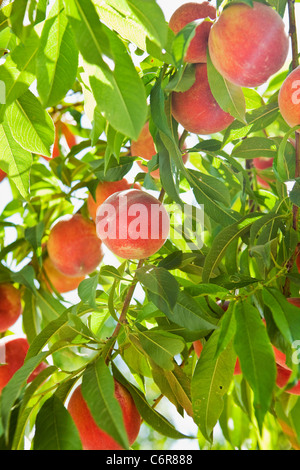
(91, 435)
(69, 136)
(13, 351)
(10, 306)
(103, 191)
(187, 13)
(248, 45)
(294, 301)
(73, 246)
(298, 262)
(289, 98)
(282, 378)
(60, 282)
(197, 110)
(144, 147)
(61, 128)
(2, 175)
(262, 163)
(132, 224)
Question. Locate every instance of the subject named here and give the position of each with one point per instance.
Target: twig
(295, 210)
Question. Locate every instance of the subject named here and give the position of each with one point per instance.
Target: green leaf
(30, 125)
(175, 385)
(26, 411)
(256, 356)
(210, 382)
(90, 36)
(18, 71)
(98, 392)
(161, 347)
(120, 94)
(141, 22)
(254, 147)
(285, 315)
(228, 96)
(190, 314)
(159, 282)
(284, 161)
(223, 240)
(87, 290)
(14, 160)
(57, 57)
(12, 391)
(55, 429)
(152, 417)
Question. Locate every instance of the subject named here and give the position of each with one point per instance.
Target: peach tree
(206, 328)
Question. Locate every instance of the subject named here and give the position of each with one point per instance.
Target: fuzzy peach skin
(248, 45)
(91, 435)
(13, 351)
(187, 13)
(73, 246)
(60, 282)
(197, 110)
(133, 224)
(144, 147)
(10, 306)
(289, 98)
(103, 191)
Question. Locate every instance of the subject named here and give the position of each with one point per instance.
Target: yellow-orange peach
(73, 246)
(248, 45)
(103, 191)
(91, 435)
(187, 13)
(197, 110)
(10, 306)
(144, 147)
(61, 129)
(289, 98)
(132, 224)
(57, 280)
(13, 351)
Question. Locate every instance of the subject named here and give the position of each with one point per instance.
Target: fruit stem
(122, 317)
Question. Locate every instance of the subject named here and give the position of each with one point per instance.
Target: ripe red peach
(2, 175)
(187, 13)
(103, 191)
(248, 45)
(263, 163)
(144, 147)
(133, 224)
(289, 98)
(60, 282)
(282, 379)
(73, 246)
(294, 301)
(91, 435)
(13, 351)
(10, 306)
(197, 110)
